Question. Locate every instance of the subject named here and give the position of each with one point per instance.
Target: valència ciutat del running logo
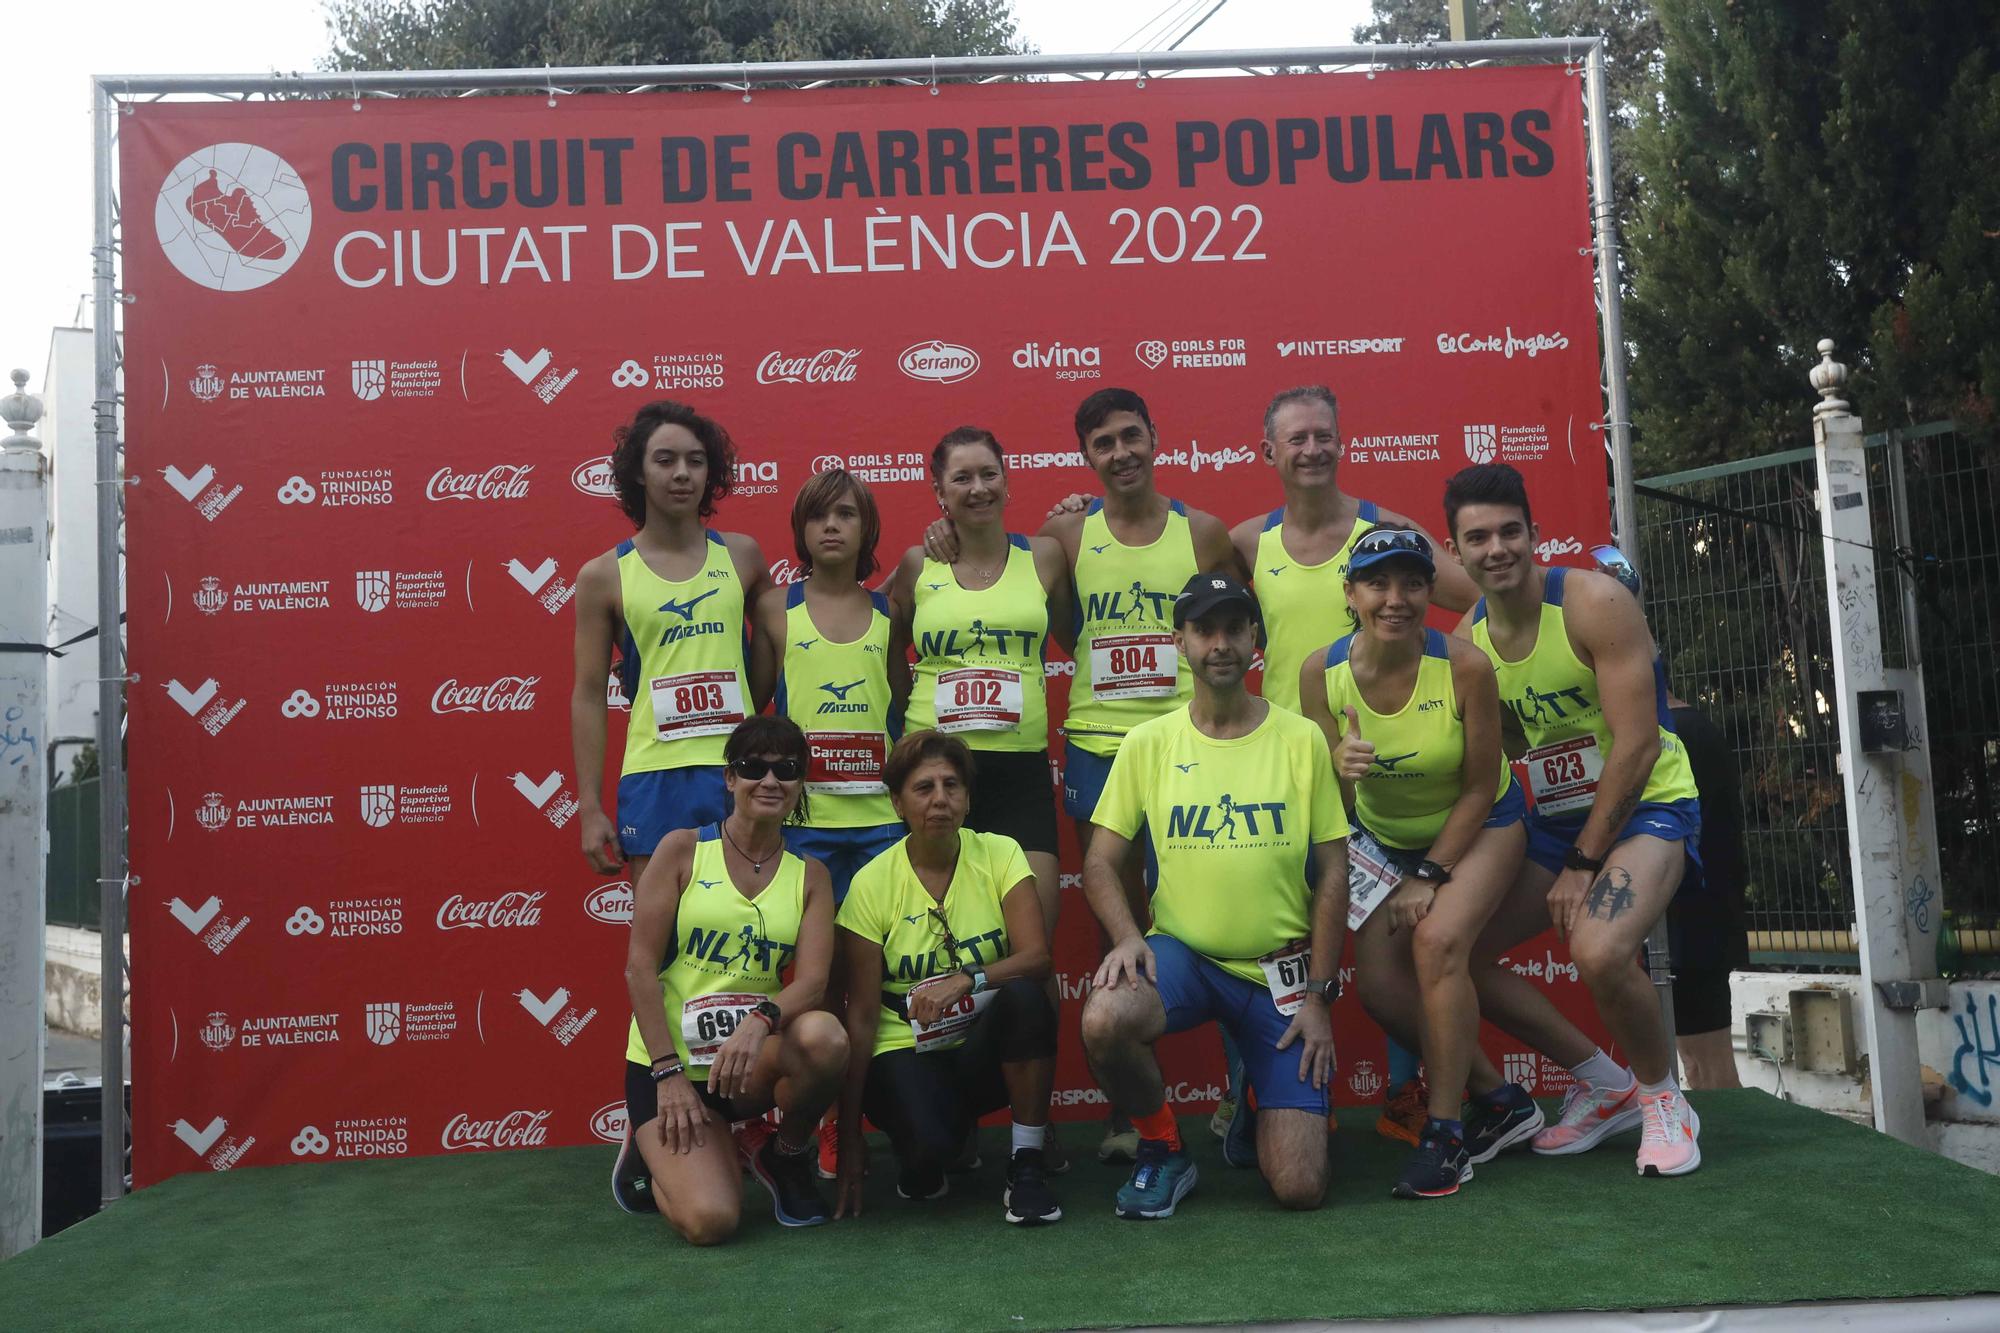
(233, 216)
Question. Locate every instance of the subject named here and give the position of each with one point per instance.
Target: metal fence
(1736, 592)
(73, 892)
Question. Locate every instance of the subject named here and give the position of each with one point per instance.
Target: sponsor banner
(380, 372)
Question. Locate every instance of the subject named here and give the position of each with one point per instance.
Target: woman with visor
(1413, 717)
(946, 926)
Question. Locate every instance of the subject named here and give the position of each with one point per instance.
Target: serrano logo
(611, 904)
(938, 362)
(593, 477)
(834, 365)
(232, 217)
(516, 1129)
(610, 1121)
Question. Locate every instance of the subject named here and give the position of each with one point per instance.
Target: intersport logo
(593, 477)
(832, 365)
(938, 362)
(516, 1129)
(508, 694)
(518, 907)
(502, 481)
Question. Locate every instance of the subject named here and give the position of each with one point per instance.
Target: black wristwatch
(1576, 860)
(769, 1011)
(1431, 873)
(1328, 990)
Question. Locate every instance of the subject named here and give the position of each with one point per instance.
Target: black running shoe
(1437, 1168)
(1028, 1200)
(789, 1176)
(1491, 1130)
(631, 1182)
(910, 1185)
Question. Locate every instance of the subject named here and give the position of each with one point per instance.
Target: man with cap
(1238, 797)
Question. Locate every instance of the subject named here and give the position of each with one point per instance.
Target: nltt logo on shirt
(735, 953)
(977, 639)
(1128, 604)
(1227, 822)
(979, 949)
(1535, 707)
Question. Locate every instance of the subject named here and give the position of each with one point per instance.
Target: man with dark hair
(1615, 822)
(671, 600)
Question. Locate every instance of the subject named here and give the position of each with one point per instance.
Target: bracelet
(662, 1075)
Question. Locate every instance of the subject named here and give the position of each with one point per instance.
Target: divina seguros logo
(232, 217)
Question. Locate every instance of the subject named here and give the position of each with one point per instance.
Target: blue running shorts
(1549, 840)
(843, 851)
(1196, 990)
(652, 805)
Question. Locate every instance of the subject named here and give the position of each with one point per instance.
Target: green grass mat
(1789, 1205)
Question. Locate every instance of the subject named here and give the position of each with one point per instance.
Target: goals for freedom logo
(232, 217)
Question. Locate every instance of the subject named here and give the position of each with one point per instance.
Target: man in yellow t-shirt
(1240, 800)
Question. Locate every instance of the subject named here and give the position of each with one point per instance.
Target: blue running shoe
(1161, 1180)
(1506, 1118)
(1239, 1136)
(631, 1182)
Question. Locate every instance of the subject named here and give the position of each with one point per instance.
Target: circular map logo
(233, 217)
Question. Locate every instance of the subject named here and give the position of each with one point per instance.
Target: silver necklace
(756, 863)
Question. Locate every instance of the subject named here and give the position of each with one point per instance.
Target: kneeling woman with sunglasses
(717, 1034)
(1414, 721)
(948, 923)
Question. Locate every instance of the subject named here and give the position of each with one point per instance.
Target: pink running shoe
(1589, 1115)
(1671, 1143)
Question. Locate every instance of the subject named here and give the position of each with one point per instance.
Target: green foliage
(1808, 172)
(494, 34)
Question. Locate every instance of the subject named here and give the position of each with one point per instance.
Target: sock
(1667, 1084)
(1455, 1128)
(1501, 1097)
(1404, 1066)
(1030, 1136)
(1601, 1071)
(1160, 1126)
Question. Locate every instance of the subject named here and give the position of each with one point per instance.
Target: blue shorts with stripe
(1196, 990)
(1084, 776)
(653, 804)
(1549, 840)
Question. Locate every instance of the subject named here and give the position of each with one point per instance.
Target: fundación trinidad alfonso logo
(232, 217)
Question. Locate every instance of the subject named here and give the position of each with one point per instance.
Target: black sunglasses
(752, 768)
(1395, 540)
(946, 938)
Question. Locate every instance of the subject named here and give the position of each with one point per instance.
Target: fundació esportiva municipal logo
(233, 216)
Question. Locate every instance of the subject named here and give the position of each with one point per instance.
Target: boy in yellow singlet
(672, 600)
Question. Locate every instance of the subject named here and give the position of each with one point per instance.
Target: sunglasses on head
(1379, 540)
(752, 768)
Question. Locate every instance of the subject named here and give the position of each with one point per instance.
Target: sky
(53, 49)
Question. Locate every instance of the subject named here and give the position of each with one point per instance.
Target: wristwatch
(1431, 873)
(976, 975)
(769, 1011)
(1328, 990)
(1576, 860)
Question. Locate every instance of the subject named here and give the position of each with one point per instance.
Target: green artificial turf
(1789, 1205)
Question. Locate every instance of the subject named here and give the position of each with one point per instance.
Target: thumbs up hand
(1353, 755)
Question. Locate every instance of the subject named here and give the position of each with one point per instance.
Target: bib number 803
(697, 698)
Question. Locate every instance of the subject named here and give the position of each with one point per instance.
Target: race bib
(696, 703)
(707, 1021)
(978, 699)
(845, 763)
(1133, 666)
(1285, 972)
(1564, 775)
(952, 1024)
(1371, 877)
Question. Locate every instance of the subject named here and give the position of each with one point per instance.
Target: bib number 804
(1134, 661)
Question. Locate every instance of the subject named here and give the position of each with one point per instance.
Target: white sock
(1601, 1071)
(1030, 1136)
(1667, 1084)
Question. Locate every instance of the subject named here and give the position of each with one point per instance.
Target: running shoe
(1055, 1157)
(750, 1136)
(789, 1176)
(1404, 1113)
(1492, 1130)
(910, 1185)
(829, 1149)
(1121, 1141)
(968, 1158)
(1437, 1168)
(1225, 1111)
(1670, 1144)
(1589, 1116)
(1160, 1180)
(1239, 1145)
(631, 1183)
(1028, 1200)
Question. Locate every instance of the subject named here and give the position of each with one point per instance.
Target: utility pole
(1458, 15)
(24, 618)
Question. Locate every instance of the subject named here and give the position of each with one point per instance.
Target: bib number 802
(976, 693)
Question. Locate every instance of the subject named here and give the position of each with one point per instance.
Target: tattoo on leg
(1611, 897)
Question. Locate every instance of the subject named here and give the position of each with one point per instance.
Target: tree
(494, 34)
(1815, 171)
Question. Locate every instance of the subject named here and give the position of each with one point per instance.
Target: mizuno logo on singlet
(1275, 569)
(1188, 768)
(804, 644)
(685, 610)
(1100, 550)
(839, 691)
(838, 703)
(1389, 762)
(934, 586)
(708, 883)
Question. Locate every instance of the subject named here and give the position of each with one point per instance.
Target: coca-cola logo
(784, 571)
(610, 1122)
(516, 1129)
(938, 362)
(611, 903)
(593, 477)
(516, 908)
(502, 481)
(509, 694)
(834, 365)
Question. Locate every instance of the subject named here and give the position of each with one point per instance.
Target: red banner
(374, 357)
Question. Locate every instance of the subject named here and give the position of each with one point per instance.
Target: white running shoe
(1589, 1116)
(1671, 1143)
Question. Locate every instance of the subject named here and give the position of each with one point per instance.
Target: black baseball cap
(1207, 593)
